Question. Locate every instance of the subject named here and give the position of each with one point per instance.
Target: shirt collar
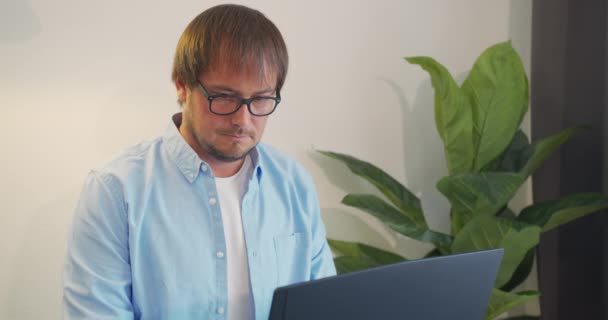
(187, 160)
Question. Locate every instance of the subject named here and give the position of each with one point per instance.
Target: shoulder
(282, 164)
(131, 164)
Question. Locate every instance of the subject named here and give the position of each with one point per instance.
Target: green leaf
(392, 218)
(346, 264)
(356, 249)
(497, 89)
(521, 273)
(551, 214)
(501, 302)
(489, 232)
(472, 194)
(507, 213)
(545, 147)
(517, 155)
(357, 256)
(453, 115)
(395, 192)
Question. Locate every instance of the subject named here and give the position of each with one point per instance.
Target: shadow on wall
(18, 22)
(345, 223)
(352, 226)
(424, 165)
(425, 162)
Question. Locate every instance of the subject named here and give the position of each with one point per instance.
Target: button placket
(211, 195)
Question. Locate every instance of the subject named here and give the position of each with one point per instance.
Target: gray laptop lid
(447, 287)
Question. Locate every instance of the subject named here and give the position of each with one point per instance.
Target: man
(203, 222)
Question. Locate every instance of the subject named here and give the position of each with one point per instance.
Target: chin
(231, 155)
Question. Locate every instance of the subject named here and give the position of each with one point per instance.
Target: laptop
(446, 287)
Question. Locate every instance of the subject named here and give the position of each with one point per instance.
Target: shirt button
(212, 201)
(220, 310)
(204, 168)
(220, 254)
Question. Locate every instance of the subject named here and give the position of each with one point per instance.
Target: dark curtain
(568, 88)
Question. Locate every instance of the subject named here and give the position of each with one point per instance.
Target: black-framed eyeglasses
(225, 104)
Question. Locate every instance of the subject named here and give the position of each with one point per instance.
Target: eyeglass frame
(211, 97)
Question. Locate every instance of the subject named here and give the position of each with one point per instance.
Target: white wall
(80, 80)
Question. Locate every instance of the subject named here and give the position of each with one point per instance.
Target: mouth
(236, 136)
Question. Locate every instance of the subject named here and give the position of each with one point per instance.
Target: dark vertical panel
(584, 79)
(605, 162)
(569, 67)
(605, 102)
(549, 24)
(580, 247)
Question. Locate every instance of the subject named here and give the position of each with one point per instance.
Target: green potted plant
(488, 159)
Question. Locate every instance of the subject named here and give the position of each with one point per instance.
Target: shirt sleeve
(97, 273)
(322, 260)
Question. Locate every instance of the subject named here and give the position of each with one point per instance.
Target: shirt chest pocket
(293, 257)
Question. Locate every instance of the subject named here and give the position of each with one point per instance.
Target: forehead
(250, 72)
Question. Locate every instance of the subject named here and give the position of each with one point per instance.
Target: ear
(182, 91)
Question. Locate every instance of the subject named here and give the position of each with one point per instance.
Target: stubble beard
(222, 156)
(217, 154)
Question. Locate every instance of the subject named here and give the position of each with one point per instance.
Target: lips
(236, 136)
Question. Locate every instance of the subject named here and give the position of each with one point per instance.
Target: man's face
(225, 138)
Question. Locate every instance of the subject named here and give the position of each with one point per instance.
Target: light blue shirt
(147, 240)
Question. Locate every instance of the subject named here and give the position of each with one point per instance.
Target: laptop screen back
(447, 287)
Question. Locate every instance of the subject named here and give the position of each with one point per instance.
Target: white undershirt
(230, 192)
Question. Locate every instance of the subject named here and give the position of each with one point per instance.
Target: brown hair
(237, 35)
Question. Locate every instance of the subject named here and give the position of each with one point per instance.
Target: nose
(241, 117)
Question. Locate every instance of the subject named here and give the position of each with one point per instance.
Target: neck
(222, 169)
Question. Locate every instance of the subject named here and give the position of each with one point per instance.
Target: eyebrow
(227, 89)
